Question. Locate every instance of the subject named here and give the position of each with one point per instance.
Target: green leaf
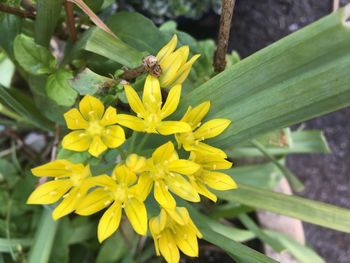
(58, 88)
(47, 16)
(250, 224)
(44, 238)
(10, 27)
(307, 210)
(82, 230)
(7, 69)
(100, 42)
(33, 58)
(112, 250)
(88, 82)
(302, 253)
(60, 248)
(301, 142)
(137, 31)
(6, 246)
(300, 77)
(207, 228)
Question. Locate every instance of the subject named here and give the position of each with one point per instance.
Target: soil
(257, 24)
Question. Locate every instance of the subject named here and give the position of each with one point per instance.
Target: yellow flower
(94, 128)
(135, 163)
(192, 141)
(173, 230)
(165, 170)
(173, 63)
(118, 192)
(71, 182)
(206, 177)
(150, 113)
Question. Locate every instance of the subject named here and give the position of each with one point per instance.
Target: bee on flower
(94, 128)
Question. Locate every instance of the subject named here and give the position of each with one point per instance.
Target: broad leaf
(33, 58)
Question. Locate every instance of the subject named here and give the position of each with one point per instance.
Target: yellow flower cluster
(164, 173)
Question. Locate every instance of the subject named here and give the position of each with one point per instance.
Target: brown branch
(16, 11)
(224, 34)
(149, 64)
(130, 74)
(70, 20)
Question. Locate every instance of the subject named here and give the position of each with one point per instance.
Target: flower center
(152, 121)
(95, 128)
(186, 138)
(120, 193)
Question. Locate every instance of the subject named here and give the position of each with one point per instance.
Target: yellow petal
(204, 148)
(172, 127)
(168, 48)
(184, 71)
(134, 101)
(123, 175)
(103, 181)
(211, 128)
(181, 187)
(135, 163)
(76, 141)
(97, 146)
(152, 227)
(109, 117)
(109, 222)
(162, 195)
(75, 120)
(68, 204)
(58, 168)
(163, 153)
(158, 223)
(152, 97)
(203, 190)
(183, 167)
(93, 202)
(170, 66)
(131, 122)
(210, 161)
(113, 136)
(186, 240)
(137, 215)
(143, 187)
(179, 215)
(171, 102)
(195, 116)
(91, 108)
(49, 192)
(168, 248)
(219, 181)
(184, 52)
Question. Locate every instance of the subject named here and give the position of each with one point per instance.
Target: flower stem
(142, 142)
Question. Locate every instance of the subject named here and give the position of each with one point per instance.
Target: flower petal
(168, 248)
(168, 48)
(184, 71)
(152, 97)
(158, 223)
(97, 146)
(181, 187)
(135, 163)
(109, 222)
(123, 175)
(195, 116)
(143, 187)
(76, 141)
(183, 166)
(49, 192)
(171, 102)
(203, 190)
(68, 204)
(162, 195)
(172, 127)
(219, 181)
(93, 202)
(114, 136)
(179, 214)
(186, 240)
(211, 128)
(170, 66)
(137, 215)
(110, 117)
(91, 108)
(75, 120)
(134, 101)
(210, 161)
(58, 168)
(163, 153)
(131, 122)
(204, 148)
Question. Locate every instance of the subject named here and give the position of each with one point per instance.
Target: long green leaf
(48, 13)
(300, 77)
(307, 210)
(44, 238)
(13, 244)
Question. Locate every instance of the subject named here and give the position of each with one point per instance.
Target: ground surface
(327, 178)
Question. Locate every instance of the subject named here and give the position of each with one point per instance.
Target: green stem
(142, 142)
(132, 142)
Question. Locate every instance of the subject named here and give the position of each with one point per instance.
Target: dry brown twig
(68, 6)
(224, 35)
(16, 11)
